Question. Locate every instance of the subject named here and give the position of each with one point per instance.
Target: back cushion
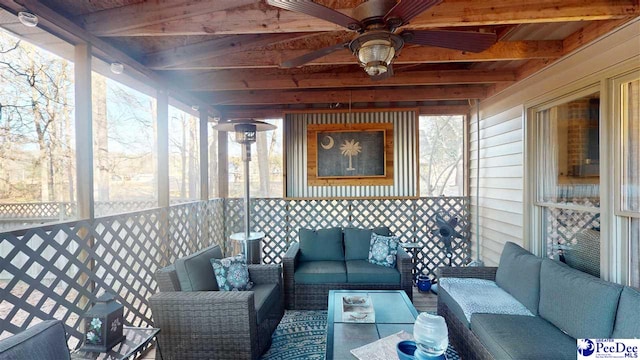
(195, 272)
(581, 305)
(628, 315)
(519, 275)
(43, 341)
(357, 242)
(322, 244)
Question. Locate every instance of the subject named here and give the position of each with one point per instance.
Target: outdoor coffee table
(136, 340)
(393, 312)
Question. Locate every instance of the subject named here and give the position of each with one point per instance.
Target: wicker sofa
(336, 259)
(199, 322)
(532, 308)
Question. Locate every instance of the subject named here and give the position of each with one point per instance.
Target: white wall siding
(501, 160)
(502, 200)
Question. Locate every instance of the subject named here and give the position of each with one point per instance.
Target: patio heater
(245, 133)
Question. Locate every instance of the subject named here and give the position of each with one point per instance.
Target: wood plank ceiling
(227, 53)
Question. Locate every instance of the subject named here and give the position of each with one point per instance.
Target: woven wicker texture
(215, 324)
(465, 342)
(315, 296)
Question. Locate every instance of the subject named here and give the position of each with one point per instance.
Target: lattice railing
(58, 270)
(43, 210)
(412, 220)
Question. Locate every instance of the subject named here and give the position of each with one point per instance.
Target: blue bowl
(406, 349)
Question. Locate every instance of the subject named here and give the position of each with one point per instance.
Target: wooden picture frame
(350, 154)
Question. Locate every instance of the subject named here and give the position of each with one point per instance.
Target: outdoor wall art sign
(349, 154)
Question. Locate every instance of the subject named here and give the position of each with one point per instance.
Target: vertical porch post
(84, 153)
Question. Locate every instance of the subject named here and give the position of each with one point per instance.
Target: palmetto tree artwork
(350, 148)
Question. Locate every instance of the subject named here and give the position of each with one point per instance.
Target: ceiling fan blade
(451, 39)
(301, 60)
(319, 11)
(385, 75)
(405, 10)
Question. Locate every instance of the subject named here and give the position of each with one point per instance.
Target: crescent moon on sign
(329, 145)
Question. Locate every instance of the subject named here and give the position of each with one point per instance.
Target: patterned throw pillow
(383, 250)
(232, 273)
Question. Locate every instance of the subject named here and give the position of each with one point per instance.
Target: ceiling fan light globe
(378, 50)
(375, 69)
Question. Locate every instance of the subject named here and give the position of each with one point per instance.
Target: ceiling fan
(377, 43)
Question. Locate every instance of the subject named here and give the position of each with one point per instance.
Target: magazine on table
(383, 349)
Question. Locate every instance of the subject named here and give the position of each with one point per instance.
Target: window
(628, 203)
(125, 176)
(184, 155)
(441, 155)
(567, 172)
(265, 168)
(37, 127)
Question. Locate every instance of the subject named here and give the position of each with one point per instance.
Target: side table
(413, 248)
(136, 340)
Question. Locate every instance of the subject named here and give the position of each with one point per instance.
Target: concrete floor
(422, 302)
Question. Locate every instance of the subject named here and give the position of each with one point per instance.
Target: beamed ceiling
(227, 53)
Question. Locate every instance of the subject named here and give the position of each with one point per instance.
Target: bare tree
(35, 111)
(440, 152)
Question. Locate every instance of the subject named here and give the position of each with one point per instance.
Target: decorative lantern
(103, 324)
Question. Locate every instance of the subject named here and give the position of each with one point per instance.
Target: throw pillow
(358, 241)
(232, 273)
(383, 250)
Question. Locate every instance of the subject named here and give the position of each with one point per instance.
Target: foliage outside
(441, 149)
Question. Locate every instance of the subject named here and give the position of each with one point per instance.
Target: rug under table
(302, 334)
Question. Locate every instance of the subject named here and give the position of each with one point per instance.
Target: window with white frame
(567, 175)
(627, 107)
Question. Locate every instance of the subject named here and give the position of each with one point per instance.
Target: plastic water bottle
(431, 336)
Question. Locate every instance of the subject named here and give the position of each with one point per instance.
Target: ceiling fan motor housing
(372, 12)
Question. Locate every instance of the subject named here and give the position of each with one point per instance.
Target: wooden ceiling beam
(58, 25)
(501, 51)
(255, 80)
(270, 97)
(451, 13)
(274, 113)
(147, 13)
(212, 48)
(572, 43)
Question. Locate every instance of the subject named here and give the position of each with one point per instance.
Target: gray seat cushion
(364, 272)
(320, 272)
(195, 272)
(479, 296)
(357, 242)
(628, 315)
(581, 305)
(519, 274)
(322, 244)
(265, 297)
(44, 341)
(522, 337)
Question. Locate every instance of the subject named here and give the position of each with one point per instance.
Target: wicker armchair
(217, 324)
